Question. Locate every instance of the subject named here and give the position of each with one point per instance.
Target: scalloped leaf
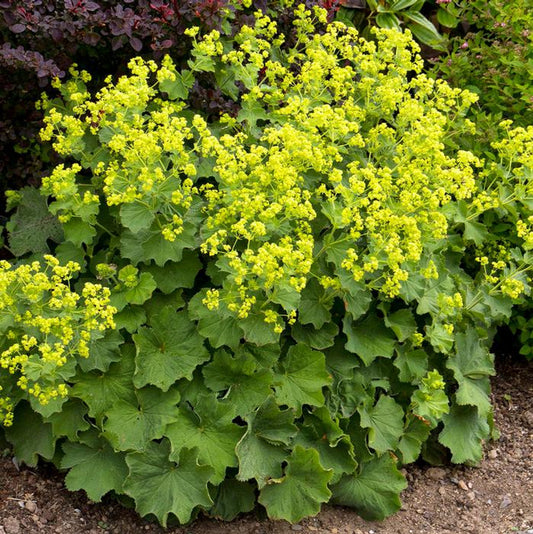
(103, 352)
(161, 487)
(369, 339)
(262, 449)
(101, 390)
(168, 350)
(70, 420)
(246, 385)
(32, 225)
(93, 455)
(301, 491)
(130, 425)
(208, 427)
(320, 432)
(374, 492)
(232, 498)
(151, 245)
(30, 436)
(385, 423)
(472, 364)
(463, 433)
(302, 375)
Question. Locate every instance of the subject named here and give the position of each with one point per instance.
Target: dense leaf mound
(288, 304)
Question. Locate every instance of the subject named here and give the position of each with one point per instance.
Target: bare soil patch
(494, 498)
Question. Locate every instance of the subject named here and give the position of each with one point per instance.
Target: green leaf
(209, 428)
(430, 405)
(255, 330)
(161, 487)
(131, 425)
(103, 352)
(160, 301)
(179, 87)
(46, 410)
(142, 291)
(445, 18)
(302, 375)
(424, 30)
(398, 5)
(476, 232)
(261, 450)
(402, 323)
(388, 20)
(252, 111)
(219, 330)
(463, 433)
(151, 245)
(67, 251)
(385, 424)
(286, 296)
(301, 491)
(412, 364)
(415, 434)
(374, 492)
(369, 339)
(320, 432)
(265, 356)
(176, 275)
(357, 297)
(93, 456)
(313, 307)
(130, 318)
(232, 498)
(136, 216)
(70, 420)
(472, 364)
(100, 391)
(201, 62)
(32, 225)
(30, 436)
(316, 338)
(79, 232)
(441, 340)
(247, 386)
(168, 350)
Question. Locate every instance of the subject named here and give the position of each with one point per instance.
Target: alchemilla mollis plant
(294, 301)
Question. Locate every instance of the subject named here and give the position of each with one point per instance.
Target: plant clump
(304, 293)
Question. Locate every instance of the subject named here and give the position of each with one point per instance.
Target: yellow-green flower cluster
(336, 133)
(45, 325)
(134, 167)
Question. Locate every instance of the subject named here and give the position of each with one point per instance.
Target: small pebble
(296, 527)
(462, 485)
(493, 454)
(471, 495)
(31, 506)
(505, 502)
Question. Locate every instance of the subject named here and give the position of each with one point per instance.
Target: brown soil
(494, 498)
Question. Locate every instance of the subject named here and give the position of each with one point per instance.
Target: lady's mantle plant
(305, 292)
